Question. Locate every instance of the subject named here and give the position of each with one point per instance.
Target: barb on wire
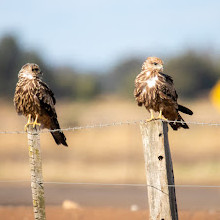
(113, 184)
(103, 125)
(100, 125)
(13, 132)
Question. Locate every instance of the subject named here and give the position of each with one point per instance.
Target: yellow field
(112, 154)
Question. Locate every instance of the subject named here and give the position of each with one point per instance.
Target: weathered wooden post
(36, 173)
(159, 171)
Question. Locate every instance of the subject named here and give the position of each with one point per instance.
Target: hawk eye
(35, 69)
(155, 64)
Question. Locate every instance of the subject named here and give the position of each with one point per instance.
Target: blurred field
(20, 213)
(112, 154)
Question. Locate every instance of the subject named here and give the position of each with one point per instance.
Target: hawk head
(153, 63)
(30, 71)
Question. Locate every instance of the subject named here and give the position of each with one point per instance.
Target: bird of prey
(155, 90)
(34, 99)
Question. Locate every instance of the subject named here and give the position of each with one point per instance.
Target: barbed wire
(118, 123)
(114, 184)
(103, 125)
(100, 125)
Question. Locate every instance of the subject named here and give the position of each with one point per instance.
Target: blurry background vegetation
(194, 73)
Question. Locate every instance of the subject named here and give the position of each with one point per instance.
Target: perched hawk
(35, 100)
(155, 90)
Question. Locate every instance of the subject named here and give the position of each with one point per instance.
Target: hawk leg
(35, 122)
(160, 116)
(28, 122)
(151, 116)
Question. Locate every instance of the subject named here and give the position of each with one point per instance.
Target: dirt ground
(55, 213)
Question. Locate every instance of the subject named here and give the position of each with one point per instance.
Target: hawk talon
(151, 116)
(151, 119)
(26, 126)
(28, 122)
(35, 122)
(160, 116)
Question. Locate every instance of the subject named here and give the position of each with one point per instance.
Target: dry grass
(112, 154)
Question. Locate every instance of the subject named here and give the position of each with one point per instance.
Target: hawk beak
(41, 73)
(161, 67)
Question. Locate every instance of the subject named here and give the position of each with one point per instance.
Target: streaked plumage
(34, 98)
(155, 90)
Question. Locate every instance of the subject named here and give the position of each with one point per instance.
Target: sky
(96, 34)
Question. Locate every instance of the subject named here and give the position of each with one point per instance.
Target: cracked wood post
(159, 171)
(36, 173)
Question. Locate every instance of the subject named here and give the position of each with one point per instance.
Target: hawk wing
(140, 85)
(49, 117)
(47, 99)
(166, 88)
(168, 93)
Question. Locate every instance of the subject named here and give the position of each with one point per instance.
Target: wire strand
(113, 184)
(104, 125)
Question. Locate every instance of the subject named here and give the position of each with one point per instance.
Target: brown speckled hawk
(155, 90)
(34, 99)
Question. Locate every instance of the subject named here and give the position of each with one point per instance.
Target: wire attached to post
(112, 124)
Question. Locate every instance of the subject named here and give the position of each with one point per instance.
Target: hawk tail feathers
(176, 125)
(185, 110)
(58, 136)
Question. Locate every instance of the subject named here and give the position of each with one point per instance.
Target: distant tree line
(193, 73)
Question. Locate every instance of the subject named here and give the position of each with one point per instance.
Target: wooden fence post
(36, 173)
(159, 171)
